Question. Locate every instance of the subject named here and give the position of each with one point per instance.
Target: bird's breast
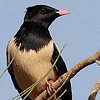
(29, 66)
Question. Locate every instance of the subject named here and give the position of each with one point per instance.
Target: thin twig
(61, 95)
(11, 61)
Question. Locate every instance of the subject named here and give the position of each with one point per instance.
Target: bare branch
(94, 91)
(73, 71)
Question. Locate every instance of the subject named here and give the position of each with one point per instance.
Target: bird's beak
(63, 12)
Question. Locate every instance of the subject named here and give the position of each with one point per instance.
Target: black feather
(32, 36)
(61, 69)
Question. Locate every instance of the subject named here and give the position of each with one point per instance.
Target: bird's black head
(43, 14)
(34, 33)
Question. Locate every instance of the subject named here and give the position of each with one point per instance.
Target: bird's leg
(50, 88)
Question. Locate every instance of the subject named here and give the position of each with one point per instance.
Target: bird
(37, 53)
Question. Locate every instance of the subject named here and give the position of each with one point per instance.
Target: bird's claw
(50, 88)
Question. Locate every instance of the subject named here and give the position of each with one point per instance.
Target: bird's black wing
(10, 70)
(61, 69)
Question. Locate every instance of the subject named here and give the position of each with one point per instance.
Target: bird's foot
(50, 88)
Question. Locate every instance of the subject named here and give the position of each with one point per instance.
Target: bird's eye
(43, 10)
